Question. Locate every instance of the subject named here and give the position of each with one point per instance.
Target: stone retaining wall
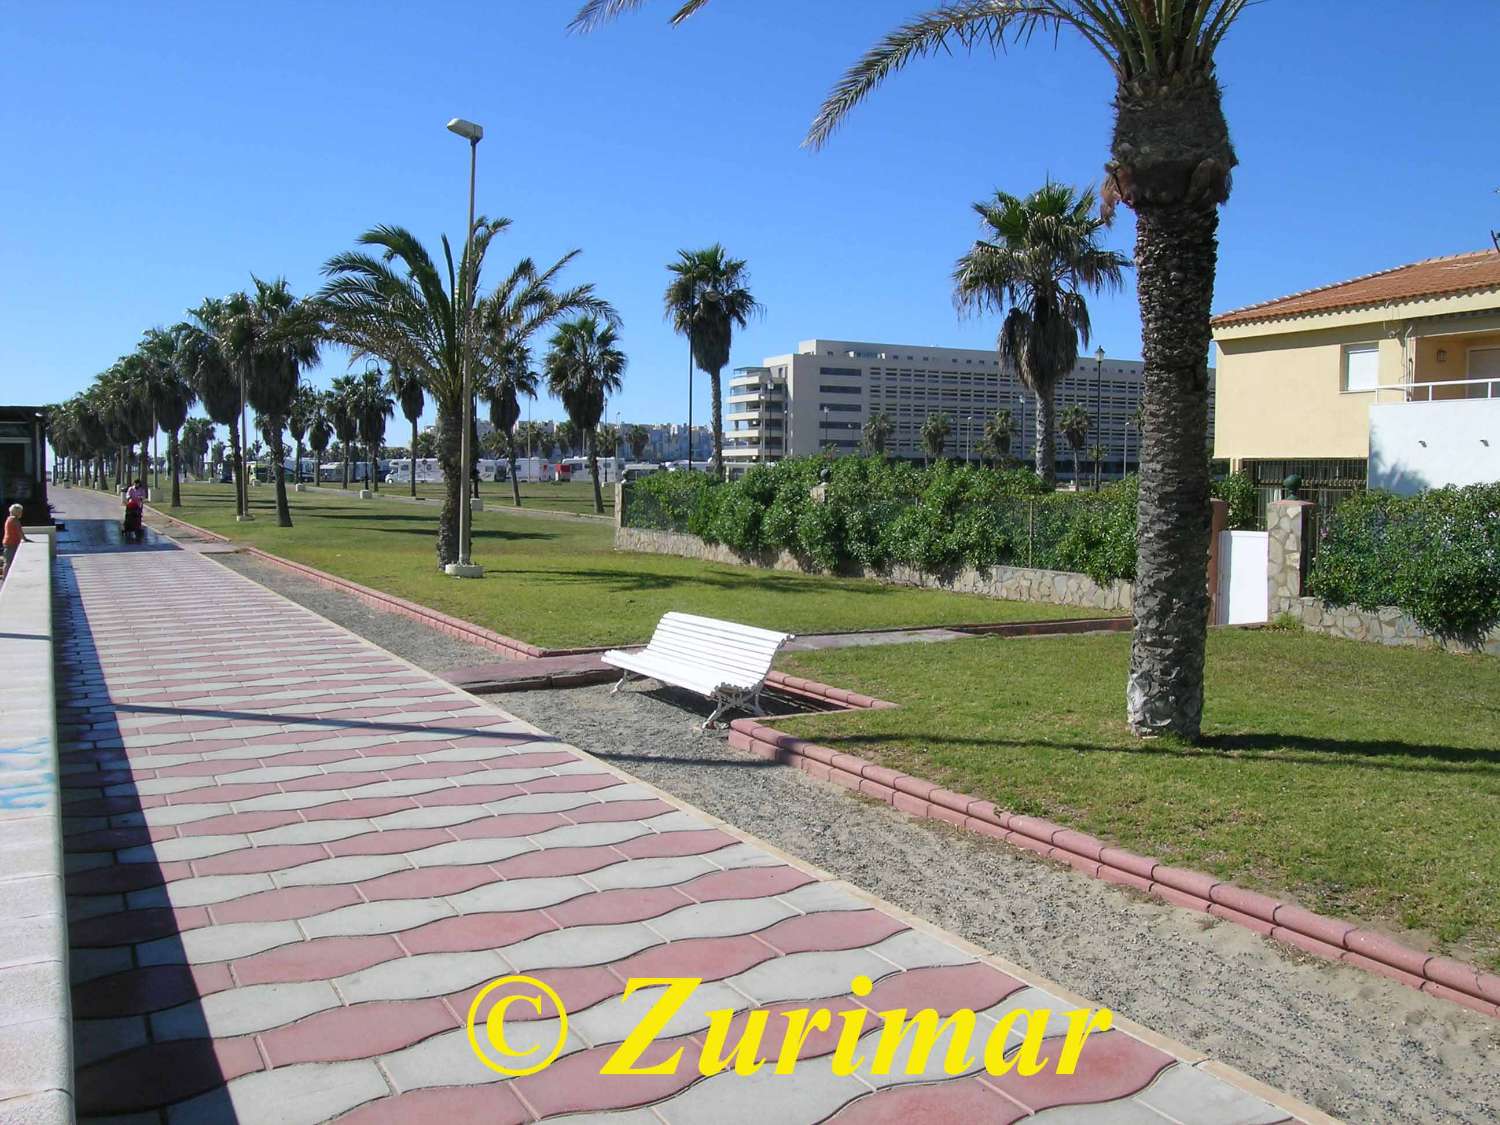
(1011, 583)
(1388, 625)
(36, 1055)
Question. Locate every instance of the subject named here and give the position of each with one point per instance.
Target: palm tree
(568, 438)
(171, 395)
(1170, 161)
(877, 433)
(205, 339)
(1075, 423)
(197, 436)
(510, 377)
(1097, 453)
(405, 386)
(530, 435)
(935, 433)
(584, 366)
(372, 406)
(417, 316)
(319, 432)
(305, 405)
(708, 298)
(637, 438)
(607, 440)
(342, 406)
(1038, 255)
(998, 428)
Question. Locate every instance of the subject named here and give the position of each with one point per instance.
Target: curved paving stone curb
(36, 1055)
(1332, 938)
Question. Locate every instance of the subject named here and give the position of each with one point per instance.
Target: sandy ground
(1357, 1046)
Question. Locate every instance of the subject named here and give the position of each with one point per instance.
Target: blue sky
(156, 153)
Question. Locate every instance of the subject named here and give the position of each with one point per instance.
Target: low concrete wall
(1286, 526)
(36, 1055)
(1010, 583)
(1386, 625)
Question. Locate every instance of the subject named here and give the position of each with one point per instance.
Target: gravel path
(1344, 1040)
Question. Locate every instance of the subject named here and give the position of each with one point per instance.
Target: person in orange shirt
(13, 535)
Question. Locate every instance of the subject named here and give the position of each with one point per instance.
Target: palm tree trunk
(278, 451)
(515, 482)
(414, 458)
(593, 444)
(718, 423)
(1046, 437)
(174, 458)
(238, 466)
(450, 460)
(1176, 250)
(297, 470)
(345, 452)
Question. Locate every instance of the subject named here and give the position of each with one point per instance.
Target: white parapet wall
(1415, 446)
(36, 1057)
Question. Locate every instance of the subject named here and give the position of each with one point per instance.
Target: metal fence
(1326, 481)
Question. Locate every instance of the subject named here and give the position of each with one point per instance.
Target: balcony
(1435, 432)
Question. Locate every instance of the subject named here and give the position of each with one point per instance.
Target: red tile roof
(1435, 277)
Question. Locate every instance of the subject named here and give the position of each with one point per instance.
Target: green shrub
(1436, 556)
(875, 512)
(1239, 492)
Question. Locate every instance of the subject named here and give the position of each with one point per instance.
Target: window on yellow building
(1361, 367)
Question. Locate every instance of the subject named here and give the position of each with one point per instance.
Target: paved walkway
(294, 860)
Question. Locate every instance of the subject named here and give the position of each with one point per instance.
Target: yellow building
(1394, 376)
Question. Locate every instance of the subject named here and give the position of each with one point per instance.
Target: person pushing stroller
(135, 507)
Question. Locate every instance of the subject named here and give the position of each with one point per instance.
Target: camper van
(428, 471)
(577, 468)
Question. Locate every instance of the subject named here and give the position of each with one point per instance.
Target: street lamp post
(823, 428)
(1098, 411)
(464, 568)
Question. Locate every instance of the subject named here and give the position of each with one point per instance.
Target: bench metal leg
(624, 677)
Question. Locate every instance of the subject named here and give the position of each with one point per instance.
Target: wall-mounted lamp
(1484, 441)
(1422, 443)
(1442, 355)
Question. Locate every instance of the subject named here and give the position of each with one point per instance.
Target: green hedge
(1435, 555)
(877, 513)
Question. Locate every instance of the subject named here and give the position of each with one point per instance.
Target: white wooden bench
(719, 660)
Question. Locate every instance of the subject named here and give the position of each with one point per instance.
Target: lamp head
(1098, 355)
(467, 130)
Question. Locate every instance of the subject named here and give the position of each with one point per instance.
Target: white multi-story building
(821, 395)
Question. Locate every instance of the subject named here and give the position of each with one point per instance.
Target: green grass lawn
(560, 583)
(1363, 781)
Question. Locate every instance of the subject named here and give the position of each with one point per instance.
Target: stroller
(133, 527)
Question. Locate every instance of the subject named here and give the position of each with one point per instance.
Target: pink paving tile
(476, 931)
(570, 783)
(579, 988)
(745, 882)
(318, 959)
(1112, 1065)
(236, 823)
(435, 769)
(358, 1032)
(358, 807)
(495, 1104)
(557, 861)
(515, 824)
(159, 1073)
(619, 810)
(324, 782)
(609, 907)
(254, 861)
(707, 958)
(427, 882)
(676, 843)
(830, 930)
(947, 988)
(284, 903)
(222, 793)
(566, 1085)
(390, 843)
(967, 1099)
(148, 989)
(467, 795)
